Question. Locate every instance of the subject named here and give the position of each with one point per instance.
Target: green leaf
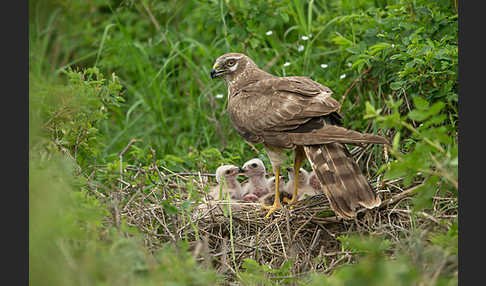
(254, 43)
(420, 103)
(371, 111)
(342, 41)
(434, 120)
(358, 64)
(418, 115)
(423, 199)
(396, 141)
(397, 85)
(398, 56)
(378, 47)
(436, 108)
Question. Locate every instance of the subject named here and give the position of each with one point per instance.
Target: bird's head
(253, 167)
(303, 175)
(227, 172)
(230, 65)
(271, 182)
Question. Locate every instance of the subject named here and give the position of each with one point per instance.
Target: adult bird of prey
(297, 113)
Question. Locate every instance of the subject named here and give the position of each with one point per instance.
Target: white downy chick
(303, 187)
(257, 185)
(230, 185)
(269, 198)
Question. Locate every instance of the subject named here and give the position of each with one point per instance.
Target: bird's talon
(289, 201)
(271, 209)
(264, 207)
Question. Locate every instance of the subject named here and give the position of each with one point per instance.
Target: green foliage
(449, 240)
(70, 115)
(415, 265)
(430, 153)
(256, 274)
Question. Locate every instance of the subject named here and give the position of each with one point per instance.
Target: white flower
(304, 38)
(219, 95)
(286, 64)
(342, 76)
(268, 33)
(300, 48)
(324, 66)
(350, 64)
(310, 35)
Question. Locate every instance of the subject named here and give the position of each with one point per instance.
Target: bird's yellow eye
(231, 63)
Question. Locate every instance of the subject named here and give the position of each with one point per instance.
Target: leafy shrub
(70, 114)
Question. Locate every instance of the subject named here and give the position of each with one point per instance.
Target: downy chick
(257, 185)
(230, 185)
(303, 187)
(268, 199)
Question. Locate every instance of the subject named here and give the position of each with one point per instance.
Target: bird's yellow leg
(298, 160)
(276, 203)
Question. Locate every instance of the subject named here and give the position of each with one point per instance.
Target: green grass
(102, 73)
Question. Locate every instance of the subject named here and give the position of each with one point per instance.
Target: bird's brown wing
(321, 130)
(280, 104)
(297, 110)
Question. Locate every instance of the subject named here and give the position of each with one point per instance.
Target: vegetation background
(104, 72)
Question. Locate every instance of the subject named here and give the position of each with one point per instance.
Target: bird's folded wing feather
(280, 104)
(297, 106)
(332, 133)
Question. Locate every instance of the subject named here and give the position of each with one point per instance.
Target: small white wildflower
(286, 64)
(268, 33)
(219, 95)
(342, 76)
(300, 48)
(324, 66)
(304, 38)
(310, 35)
(350, 64)
(393, 45)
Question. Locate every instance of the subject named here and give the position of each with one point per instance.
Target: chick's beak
(241, 170)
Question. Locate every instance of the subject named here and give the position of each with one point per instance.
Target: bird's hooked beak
(215, 72)
(241, 170)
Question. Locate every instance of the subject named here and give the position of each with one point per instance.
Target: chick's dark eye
(254, 165)
(227, 172)
(231, 62)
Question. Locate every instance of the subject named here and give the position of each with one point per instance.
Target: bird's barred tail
(341, 179)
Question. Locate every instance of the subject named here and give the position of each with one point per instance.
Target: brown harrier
(297, 113)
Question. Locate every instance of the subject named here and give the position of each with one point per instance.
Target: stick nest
(170, 207)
